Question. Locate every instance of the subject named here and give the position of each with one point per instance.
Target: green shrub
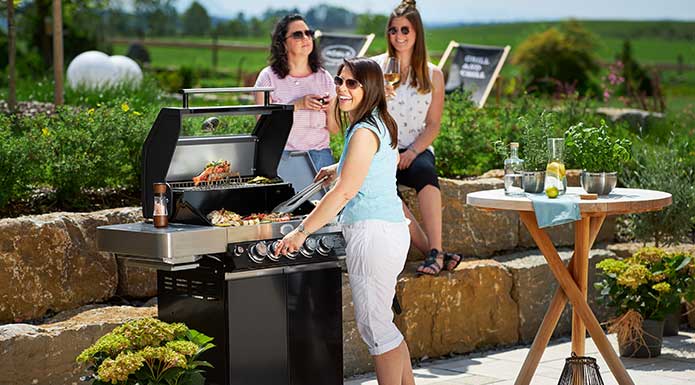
(559, 57)
(664, 168)
(77, 149)
(17, 170)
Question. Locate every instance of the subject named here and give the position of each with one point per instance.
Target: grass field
(652, 42)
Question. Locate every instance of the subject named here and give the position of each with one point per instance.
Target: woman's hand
(407, 157)
(330, 172)
(310, 102)
(389, 91)
(290, 243)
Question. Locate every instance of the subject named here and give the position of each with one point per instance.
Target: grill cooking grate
(230, 182)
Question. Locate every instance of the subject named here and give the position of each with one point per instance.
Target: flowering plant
(651, 282)
(147, 351)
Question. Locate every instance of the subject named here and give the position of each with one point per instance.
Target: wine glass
(392, 71)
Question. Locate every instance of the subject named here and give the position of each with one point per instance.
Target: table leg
(580, 273)
(552, 316)
(575, 297)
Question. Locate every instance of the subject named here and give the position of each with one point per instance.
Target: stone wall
(49, 263)
(483, 304)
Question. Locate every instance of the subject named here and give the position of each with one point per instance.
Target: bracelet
(300, 229)
(412, 148)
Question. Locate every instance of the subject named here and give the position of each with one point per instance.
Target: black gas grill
(275, 320)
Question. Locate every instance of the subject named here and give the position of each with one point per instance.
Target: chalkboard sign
(473, 68)
(336, 47)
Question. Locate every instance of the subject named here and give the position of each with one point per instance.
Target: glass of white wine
(392, 71)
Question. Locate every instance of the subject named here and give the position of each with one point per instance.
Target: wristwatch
(300, 228)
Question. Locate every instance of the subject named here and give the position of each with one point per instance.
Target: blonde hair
(419, 62)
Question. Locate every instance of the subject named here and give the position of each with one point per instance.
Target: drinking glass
(392, 71)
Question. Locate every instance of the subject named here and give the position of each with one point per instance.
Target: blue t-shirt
(377, 197)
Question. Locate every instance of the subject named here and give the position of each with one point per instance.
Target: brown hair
(418, 62)
(369, 74)
(278, 52)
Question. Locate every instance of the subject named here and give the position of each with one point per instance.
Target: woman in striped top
(296, 74)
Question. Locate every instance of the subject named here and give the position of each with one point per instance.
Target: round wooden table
(573, 279)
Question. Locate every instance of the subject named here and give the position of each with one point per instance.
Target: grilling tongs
(291, 204)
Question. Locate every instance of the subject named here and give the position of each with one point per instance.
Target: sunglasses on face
(351, 84)
(394, 30)
(299, 35)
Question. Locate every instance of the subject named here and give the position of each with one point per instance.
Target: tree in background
(368, 23)
(196, 21)
(636, 79)
(560, 58)
(156, 17)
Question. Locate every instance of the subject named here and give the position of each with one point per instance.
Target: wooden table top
(620, 201)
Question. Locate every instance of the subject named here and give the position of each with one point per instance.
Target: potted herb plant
(598, 155)
(642, 289)
(147, 351)
(533, 137)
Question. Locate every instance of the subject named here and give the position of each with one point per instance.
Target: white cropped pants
(376, 253)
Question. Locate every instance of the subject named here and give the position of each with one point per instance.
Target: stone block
(136, 282)
(45, 354)
(457, 312)
(466, 229)
(534, 286)
(50, 262)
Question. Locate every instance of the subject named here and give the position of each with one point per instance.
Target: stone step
(485, 303)
(45, 354)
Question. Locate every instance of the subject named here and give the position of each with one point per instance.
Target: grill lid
(169, 157)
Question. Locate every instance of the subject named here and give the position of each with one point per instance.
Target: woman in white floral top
(416, 103)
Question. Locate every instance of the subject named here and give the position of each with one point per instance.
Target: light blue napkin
(557, 211)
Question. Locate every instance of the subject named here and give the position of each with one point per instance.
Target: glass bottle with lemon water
(513, 172)
(555, 177)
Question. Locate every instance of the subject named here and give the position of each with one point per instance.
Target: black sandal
(452, 257)
(431, 263)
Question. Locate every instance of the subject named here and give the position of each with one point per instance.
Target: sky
(476, 11)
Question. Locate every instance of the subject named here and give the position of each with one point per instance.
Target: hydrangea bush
(147, 351)
(651, 282)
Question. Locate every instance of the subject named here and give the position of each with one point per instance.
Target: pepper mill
(160, 213)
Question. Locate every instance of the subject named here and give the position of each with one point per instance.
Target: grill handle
(190, 91)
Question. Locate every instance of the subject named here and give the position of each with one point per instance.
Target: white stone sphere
(94, 69)
(127, 70)
(91, 69)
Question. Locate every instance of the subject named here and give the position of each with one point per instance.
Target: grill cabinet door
(257, 331)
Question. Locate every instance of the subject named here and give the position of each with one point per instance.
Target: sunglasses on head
(351, 84)
(394, 30)
(299, 35)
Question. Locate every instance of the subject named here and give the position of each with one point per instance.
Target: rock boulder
(50, 263)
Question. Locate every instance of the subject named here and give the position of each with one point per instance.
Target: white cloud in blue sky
(480, 10)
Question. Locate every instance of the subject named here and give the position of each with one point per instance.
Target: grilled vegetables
(229, 218)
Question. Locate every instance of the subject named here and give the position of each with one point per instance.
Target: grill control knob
(325, 245)
(309, 247)
(271, 252)
(258, 252)
(238, 250)
(292, 255)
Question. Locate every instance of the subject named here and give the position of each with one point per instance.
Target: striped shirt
(309, 129)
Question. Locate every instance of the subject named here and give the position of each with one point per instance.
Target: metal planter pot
(601, 183)
(533, 181)
(649, 346)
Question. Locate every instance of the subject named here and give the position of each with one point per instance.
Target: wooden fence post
(12, 53)
(58, 52)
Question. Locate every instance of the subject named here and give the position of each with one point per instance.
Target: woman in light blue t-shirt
(372, 216)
